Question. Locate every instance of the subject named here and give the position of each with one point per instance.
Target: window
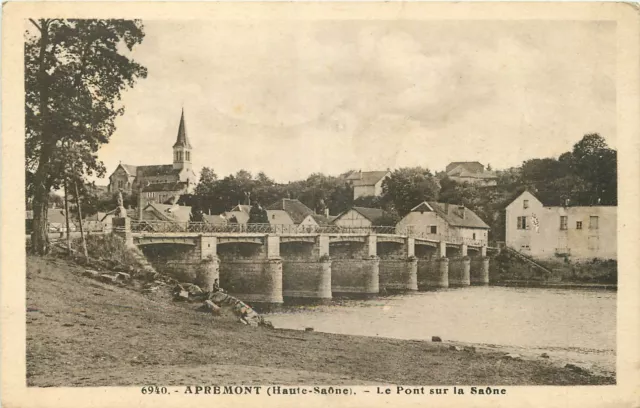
(578, 224)
(593, 222)
(563, 222)
(474, 235)
(525, 204)
(120, 184)
(434, 229)
(522, 223)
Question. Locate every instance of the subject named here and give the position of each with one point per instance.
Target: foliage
(258, 215)
(75, 72)
(407, 187)
(109, 247)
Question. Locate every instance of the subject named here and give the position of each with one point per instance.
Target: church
(158, 183)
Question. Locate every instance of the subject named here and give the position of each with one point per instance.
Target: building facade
(159, 180)
(442, 219)
(578, 233)
(471, 172)
(367, 183)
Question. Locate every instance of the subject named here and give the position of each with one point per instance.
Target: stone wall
(258, 280)
(306, 279)
(398, 274)
(479, 270)
(355, 276)
(433, 273)
(459, 271)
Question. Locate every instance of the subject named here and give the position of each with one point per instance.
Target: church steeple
(182, 147)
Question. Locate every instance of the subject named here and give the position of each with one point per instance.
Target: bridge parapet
(417, 232)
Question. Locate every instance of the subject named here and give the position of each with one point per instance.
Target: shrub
(111, 248)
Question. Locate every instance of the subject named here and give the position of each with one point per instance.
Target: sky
(291, 98)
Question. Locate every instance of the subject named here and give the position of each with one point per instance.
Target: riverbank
(81, 332)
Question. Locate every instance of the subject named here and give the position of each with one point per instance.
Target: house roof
(296, 210)
(182, 140)
(241, 216)
(372, 214)
(472, 166)
(322, 220)
(157, 170)
(451, 215)
(180, 213)
(96, 217)
(242, 207)
(131, 213)
(171, 186)
(366, 178)
(279, 217)
(214, 219)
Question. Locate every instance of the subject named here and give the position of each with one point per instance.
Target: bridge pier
(306, 267)
(355, 267)
(209, 268)
(460, 268)
(251, 269)
(433, 268)
(398, 267)
(480, 267)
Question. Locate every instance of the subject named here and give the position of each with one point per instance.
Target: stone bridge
(266, 267)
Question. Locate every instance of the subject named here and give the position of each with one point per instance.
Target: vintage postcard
(320, 204)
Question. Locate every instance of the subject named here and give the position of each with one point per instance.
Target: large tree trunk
(39, 236)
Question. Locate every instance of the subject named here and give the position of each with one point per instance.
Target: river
(579, 324)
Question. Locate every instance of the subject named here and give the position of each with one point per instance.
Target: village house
(447, 220)
(367, 183)
(471, 172)
(359, 217)
(166, 212)
(56, 220)
(158, 182)
(561, 231)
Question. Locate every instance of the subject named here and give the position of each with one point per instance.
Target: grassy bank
(81, 332)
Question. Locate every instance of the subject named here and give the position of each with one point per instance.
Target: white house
(548, 231)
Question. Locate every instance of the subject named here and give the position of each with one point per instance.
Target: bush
(109, 247)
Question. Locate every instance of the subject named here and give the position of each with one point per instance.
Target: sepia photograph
(292, 206)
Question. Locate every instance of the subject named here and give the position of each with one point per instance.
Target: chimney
(360, 173)
(461, 211)
(446, 208)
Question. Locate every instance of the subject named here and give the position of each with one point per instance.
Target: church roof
(129, 168)
(182, 140)
(172, 186)
(158, 170)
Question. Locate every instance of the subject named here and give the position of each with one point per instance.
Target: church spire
(182, 140)
(182, 148)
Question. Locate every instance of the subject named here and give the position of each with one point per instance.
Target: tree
(594, 162)
(75, 73)
(407, 187)
(258, 215)
(368, 201)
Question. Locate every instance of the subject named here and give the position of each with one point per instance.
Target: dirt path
(84, 333)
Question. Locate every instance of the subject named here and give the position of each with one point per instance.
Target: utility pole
(66, 215)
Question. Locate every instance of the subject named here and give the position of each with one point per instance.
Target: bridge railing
(285, 229)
